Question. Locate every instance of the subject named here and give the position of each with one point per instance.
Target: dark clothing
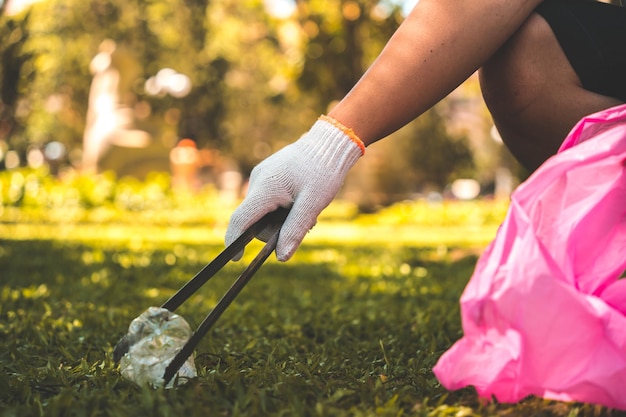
(593, 37)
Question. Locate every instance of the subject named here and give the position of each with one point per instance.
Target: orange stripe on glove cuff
(349, 132)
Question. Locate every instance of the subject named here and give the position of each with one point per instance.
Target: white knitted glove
(304, 176)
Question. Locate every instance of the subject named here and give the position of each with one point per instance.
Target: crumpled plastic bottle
(153, 340)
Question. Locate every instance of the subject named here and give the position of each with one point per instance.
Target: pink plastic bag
(545, 311)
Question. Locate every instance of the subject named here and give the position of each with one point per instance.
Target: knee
(534, 95)
(513, 79)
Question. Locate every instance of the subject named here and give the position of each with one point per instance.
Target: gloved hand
(305, 175)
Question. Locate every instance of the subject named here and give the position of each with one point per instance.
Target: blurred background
(202, 90)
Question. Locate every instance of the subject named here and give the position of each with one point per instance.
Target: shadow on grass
(337, 331)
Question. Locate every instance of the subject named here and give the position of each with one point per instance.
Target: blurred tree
(259, 79)
(14, 65)
(149, 36)
(421, 157)
(181, 45)
(437, 157)
(263, 107)
(289, 69)
(342, 39)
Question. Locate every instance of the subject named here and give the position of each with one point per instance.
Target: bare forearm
(440, 44)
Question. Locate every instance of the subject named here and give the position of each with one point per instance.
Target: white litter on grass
(158, 334)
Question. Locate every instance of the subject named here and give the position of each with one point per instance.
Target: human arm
(439, 45)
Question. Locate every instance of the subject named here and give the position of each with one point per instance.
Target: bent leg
(534, 94)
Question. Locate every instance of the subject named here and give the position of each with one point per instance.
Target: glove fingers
(268, 232)
(251, 210)
(241, 219)
(264, 235)
(300, 220)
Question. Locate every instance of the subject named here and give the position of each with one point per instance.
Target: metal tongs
(274, 218)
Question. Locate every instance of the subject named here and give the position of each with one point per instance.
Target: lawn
(351, 326)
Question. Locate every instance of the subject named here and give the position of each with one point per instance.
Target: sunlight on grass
(351, 326)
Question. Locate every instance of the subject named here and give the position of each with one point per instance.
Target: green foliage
(33, 196)
(342, 39)
(38, 195)
(423, 156)
(259, 81)
(49, 64)
(450, 213)
(14, 66)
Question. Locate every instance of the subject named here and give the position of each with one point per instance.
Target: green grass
(351, 326)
